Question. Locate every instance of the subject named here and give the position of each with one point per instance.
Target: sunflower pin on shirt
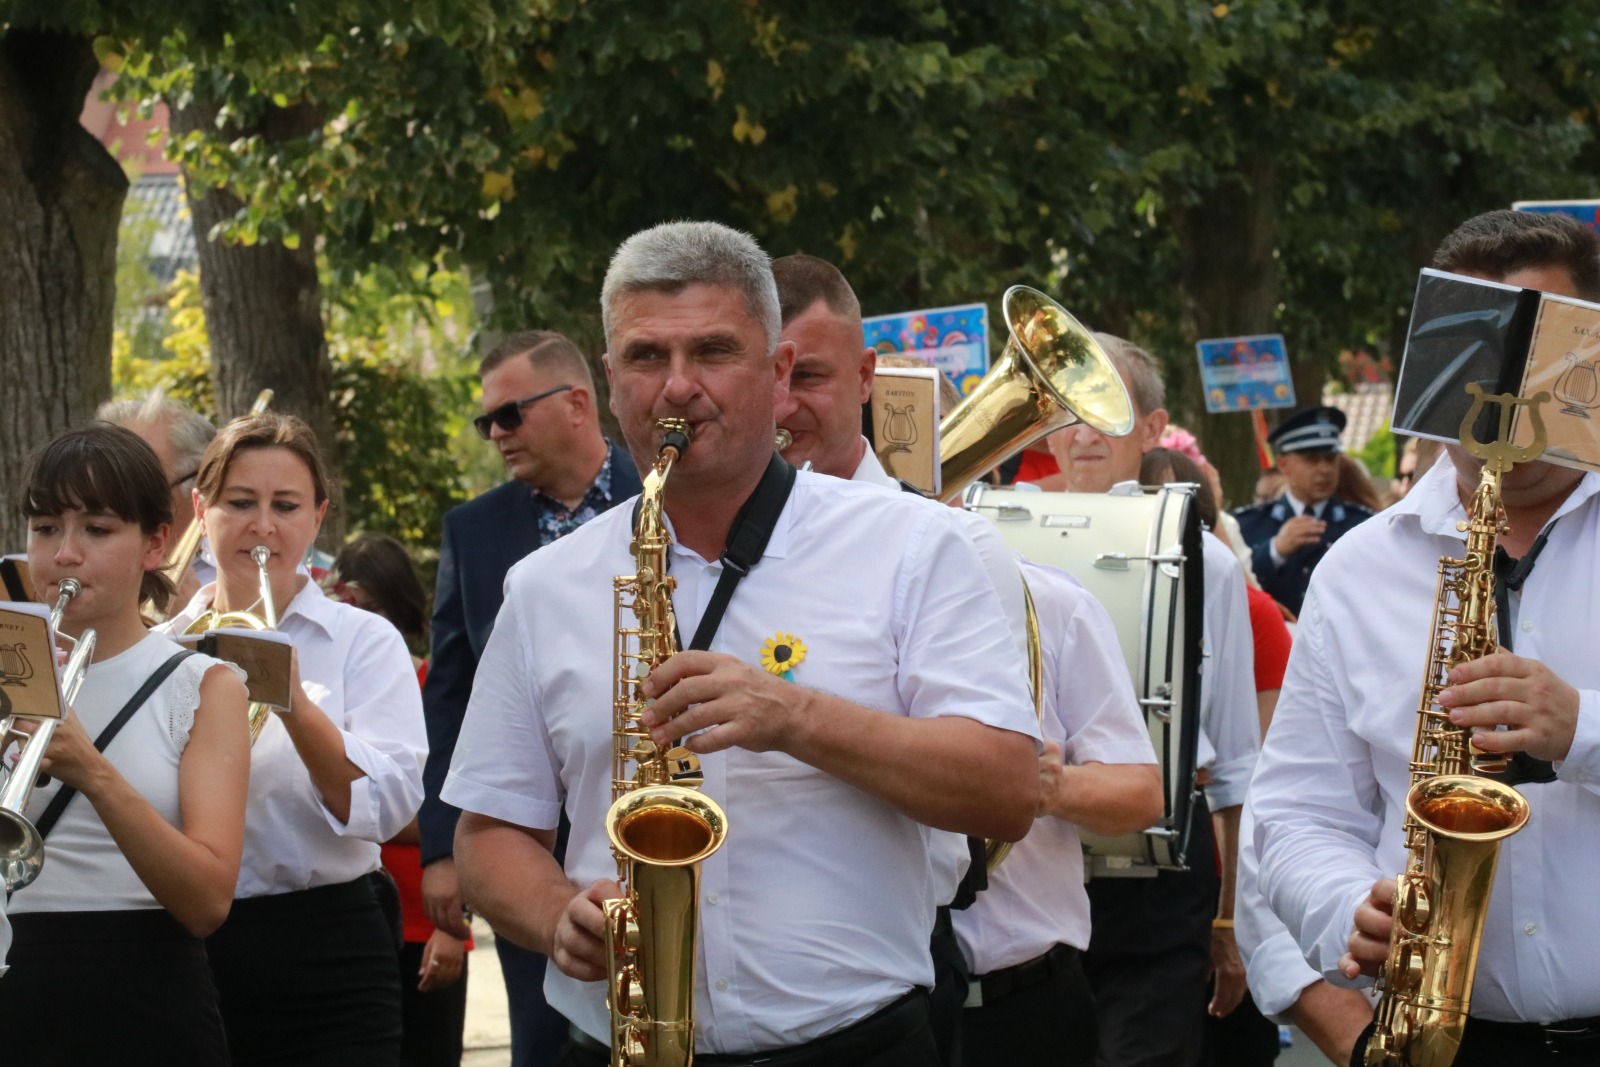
(781, 654)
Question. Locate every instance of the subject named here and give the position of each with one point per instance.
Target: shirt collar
(310, 602)
(1300, 507)
(597, 493)
(870, 470)
(777, 544)
(1436, 504)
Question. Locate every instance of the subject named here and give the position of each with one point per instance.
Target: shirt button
(711, 898)
(1527, 626)
(722, 985)
(1530, 928)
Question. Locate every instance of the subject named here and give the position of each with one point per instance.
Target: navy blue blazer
(483, 539)
(1259, 523)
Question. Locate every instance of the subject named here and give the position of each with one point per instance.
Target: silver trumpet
(21, 847)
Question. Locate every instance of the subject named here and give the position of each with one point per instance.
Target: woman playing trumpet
(305, 964)
(143, 861)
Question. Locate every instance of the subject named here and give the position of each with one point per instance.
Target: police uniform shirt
(1286, 578)
(1329, 795)
(815, 912)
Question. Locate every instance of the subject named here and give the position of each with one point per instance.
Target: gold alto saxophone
(660, 826)
(1455, 820)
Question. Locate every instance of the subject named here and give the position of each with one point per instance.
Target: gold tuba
(21, 847)
(660, 826)
(212, 619)
(1052, 374)
(1455, 820)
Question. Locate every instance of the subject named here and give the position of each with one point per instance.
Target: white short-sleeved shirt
(817, 909)
(1328, 796)
(1036, 898)
(84, 869)
(950, 853)
(1230, 726)
(355, 667)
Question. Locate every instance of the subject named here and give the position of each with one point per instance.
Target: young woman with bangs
(142, 860)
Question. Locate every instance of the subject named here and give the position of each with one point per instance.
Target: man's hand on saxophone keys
(1369, 941)
(1539, 710)
(723, 701)
(579, 945)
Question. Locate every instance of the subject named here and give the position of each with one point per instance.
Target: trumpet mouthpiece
(69, 587)
(260, 554)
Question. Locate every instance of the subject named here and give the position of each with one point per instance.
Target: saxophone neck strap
(59, 802)
(747, 539)
(1509, 577)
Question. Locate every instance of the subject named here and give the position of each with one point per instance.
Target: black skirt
(309, 978)
(108, 988)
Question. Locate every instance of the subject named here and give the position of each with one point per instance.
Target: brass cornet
(21, 847)
(212, 619)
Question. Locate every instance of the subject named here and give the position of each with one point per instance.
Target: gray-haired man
(898, 704)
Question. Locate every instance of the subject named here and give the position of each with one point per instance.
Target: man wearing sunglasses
(539, 412)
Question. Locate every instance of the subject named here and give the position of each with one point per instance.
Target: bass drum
(1141, 558)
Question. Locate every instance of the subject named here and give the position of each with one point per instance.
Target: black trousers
(896, 1036)
(309, 979)
(1149, 955)
(1243, 1038)
(1487, 1044)
(434, 1020)
(108, 988)
(1052, 1022)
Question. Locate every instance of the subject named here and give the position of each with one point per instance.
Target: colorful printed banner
(954, 339)
(1245, 373)
(1585, 211)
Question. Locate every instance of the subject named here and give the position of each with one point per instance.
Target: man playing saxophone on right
(892, 699)
(1329, 792)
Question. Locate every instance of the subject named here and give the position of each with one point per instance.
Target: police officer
(1289, 536)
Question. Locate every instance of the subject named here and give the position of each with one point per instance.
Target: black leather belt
(1578, 1038)
(997, 985)
(882, 1030)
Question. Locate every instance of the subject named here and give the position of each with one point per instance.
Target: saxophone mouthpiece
(674, 435)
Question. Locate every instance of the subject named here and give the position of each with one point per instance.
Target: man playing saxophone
(1329, 794)
(844, 703)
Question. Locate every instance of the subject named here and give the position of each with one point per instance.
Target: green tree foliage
(403, 391)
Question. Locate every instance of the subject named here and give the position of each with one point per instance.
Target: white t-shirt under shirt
(817, 909)
(84, 870)
(355, 667)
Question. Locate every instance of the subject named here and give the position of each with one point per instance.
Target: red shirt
(405, 863)
(1036, 465)
(1271, 637)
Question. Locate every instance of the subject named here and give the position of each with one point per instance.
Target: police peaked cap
(1310, 430)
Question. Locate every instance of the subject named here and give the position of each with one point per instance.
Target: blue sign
(1245, 373)
(1585, 211)
(954, 339)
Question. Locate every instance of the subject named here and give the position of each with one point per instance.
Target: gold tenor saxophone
(660, 826)
(1455, 820)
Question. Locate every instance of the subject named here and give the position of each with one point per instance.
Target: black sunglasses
(508, 416)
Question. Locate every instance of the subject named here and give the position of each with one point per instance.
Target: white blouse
(84, 870)
(355, 667)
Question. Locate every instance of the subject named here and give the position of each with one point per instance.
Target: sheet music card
(29, 684)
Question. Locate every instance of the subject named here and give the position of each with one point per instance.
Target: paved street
(488, 1031)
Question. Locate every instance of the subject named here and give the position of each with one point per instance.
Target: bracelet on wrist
(1222, 924)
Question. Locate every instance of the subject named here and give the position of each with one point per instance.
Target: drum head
(1141, 558)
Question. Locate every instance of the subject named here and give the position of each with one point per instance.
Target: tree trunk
(263, 307)
(1230, 288)
(61, 199)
